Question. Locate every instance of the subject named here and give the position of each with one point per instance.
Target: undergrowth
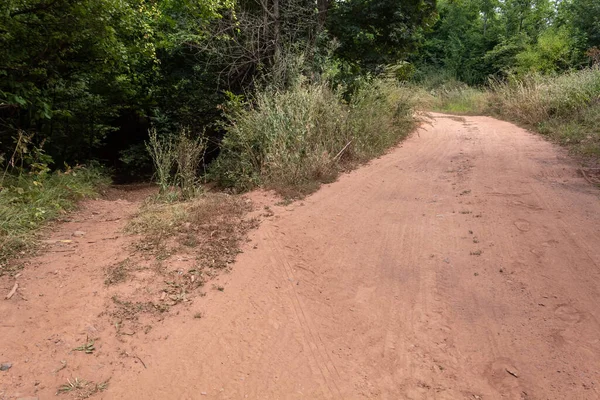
(27, 201)
(293, 140)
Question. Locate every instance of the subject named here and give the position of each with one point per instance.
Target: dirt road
(465, 264)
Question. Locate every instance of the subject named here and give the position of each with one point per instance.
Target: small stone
(5, 366)
(28, 398)
(79, 233)
(203, 393)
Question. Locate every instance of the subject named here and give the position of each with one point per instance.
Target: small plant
(198, 315)
(162, 152)
(176, 162)
(82, 389)
(189, 155)
(88, 347)
(70, 386)
(476, 253)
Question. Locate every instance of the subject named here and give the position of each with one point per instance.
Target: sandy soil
(464, 264)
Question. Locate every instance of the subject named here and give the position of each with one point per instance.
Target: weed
(162, 152)
(476, 253)
(465, 212)
(189, 155)
(28, 201)
(176, 161)
(198, 315)
(82, 389)
(88, 347)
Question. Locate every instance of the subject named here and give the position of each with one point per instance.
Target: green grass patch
(29, 201)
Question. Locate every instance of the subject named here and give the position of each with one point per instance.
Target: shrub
(176, 162)
(295, 139)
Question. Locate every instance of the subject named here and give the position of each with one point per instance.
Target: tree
(375, 32)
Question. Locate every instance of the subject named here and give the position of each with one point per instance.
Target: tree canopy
(86, 79)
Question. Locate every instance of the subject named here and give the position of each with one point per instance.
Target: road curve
(463, 264)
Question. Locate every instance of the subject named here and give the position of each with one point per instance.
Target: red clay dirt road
(464, 264)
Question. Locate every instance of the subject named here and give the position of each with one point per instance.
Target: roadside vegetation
(565, 107)
(293, 140)
(31, 195)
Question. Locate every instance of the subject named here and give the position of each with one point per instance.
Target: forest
(277, 93)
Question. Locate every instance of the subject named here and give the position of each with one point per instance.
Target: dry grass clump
(210, 226)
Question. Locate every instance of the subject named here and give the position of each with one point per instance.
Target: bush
(295, 139)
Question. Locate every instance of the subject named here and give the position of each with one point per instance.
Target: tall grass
(28, 201)
(293, 140)
(176, 162)
(565, 107)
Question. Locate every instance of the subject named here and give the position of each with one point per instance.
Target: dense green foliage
(87, 79)
(476, 39)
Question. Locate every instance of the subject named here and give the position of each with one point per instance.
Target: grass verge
(29, 201)
(565, 108)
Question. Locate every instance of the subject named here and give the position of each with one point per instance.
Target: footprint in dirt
(522, 225)
(567, 313)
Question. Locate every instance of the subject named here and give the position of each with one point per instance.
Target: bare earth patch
(87, 304)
